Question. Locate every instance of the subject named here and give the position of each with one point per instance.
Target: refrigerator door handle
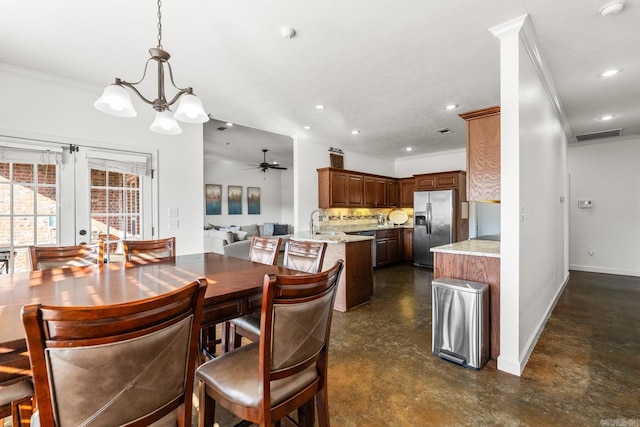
(428, 218)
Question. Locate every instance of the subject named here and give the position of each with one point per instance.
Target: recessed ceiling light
(610, 73)
(307, 127)
(355, 131)
(229, 124)
(612, 8)
(320, 107)
(287, 32)
(408, 149)
(606, 117)
(451, 107)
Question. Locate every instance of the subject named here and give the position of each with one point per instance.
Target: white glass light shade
(190, 110)
(165, 123)
(116, 100)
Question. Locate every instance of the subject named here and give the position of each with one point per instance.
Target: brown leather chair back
(304, 256)
(265, 250)
(48, 257)
(145, 251)
(123, 364)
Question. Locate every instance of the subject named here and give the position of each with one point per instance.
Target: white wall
(272, 206)
(606, 173)
(444, 161)
(533, 189)
(40, 106)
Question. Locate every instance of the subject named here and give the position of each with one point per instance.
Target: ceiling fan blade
(277, 167)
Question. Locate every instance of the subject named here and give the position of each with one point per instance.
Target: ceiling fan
(265, 166)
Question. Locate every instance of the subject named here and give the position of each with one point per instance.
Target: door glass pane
(28, 210)
(23, 200)
(23, 230)
(115, 210)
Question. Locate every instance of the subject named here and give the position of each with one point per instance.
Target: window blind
(131, 163)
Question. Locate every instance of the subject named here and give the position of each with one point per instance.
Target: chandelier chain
(159, 25)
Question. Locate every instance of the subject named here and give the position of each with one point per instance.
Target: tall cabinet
(483, 154)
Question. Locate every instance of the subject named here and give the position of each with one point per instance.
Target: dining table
(234, 289)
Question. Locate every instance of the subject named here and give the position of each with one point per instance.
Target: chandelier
(116, 100)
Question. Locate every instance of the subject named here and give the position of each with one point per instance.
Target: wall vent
(221, 128)
(599, 135)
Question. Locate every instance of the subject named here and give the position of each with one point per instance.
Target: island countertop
(487, 248)
(330, 237)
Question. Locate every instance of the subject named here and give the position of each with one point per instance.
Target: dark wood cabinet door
(407, 187)
(355, 191)
(381, 192)
(339, 190)
(369, 192)
(393, 193)
(408, 244)
(393, 249)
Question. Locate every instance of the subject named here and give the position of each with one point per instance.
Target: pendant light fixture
(116, 100)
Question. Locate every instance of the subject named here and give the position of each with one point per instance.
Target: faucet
(320, 212)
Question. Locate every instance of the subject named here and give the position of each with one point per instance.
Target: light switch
(173, 224)
(173, 212)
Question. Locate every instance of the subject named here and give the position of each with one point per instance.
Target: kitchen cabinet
(407, 244)
(483, 154)
(407, 187)
(393, 195)
(340, 189)
(437, 181)
(349, 189)
(387, 247)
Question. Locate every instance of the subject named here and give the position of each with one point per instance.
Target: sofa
(235, 240)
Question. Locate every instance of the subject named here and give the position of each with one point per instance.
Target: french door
(53, 194)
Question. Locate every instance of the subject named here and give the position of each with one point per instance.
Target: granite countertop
(488, 248)
(363, 227)
(331, 237)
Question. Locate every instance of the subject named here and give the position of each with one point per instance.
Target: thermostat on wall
(585, 204)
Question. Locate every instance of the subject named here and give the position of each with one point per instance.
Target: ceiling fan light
(190, 110)
(116, 100)
(165, 123)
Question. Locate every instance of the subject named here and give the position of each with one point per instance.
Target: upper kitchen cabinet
(407, 187)
(483, 154)
(339, 189)
(439, 181)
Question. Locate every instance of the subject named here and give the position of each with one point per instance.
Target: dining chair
(127, 364)
(11, 396)
(286, 370)
(300, 255)
(48, 257)
(264, 250)
(145, 251)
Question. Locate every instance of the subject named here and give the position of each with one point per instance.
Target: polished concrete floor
(584, 371)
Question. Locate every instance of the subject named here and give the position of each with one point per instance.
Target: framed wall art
(213, 199)
(253, 200)
(234, 198)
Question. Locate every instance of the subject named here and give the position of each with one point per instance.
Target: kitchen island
(477, 261)
(356, 281)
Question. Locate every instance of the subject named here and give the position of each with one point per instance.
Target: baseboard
(605, 270)
(533, 340)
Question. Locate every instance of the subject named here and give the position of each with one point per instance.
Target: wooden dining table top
(231, 282)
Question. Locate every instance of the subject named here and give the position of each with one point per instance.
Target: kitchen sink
(325, 233)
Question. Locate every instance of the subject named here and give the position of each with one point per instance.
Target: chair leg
(306, 414)
(207, 409)
(231, 340)
(322, 403)
(21, 411)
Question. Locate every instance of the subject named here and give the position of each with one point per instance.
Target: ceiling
(382, 67)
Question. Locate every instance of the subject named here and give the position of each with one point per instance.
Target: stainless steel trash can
(460, 322)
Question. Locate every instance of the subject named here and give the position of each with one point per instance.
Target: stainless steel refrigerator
(432, 223)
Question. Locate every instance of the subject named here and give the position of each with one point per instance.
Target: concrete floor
(584, 371)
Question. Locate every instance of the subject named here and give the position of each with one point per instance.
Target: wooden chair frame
(261, 245)
(54, 328)
(66, 256)
(145, 251)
